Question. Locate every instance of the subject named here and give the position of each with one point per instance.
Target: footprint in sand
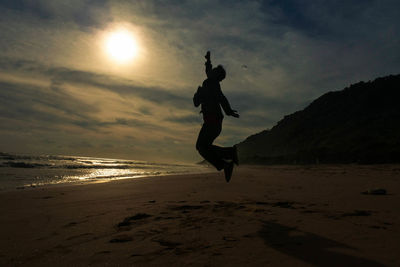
(125, 225)
(357, 213)
(166, 243)
(121, 239)
(70, 224)
(78, 236)
(103, 252)
(283, 204)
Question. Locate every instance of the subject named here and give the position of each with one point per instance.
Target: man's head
(219, 73)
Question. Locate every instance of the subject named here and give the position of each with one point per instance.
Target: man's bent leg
(206, 137)
(210, 155)
(225, 153)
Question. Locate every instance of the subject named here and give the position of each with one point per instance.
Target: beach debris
(284, 204)
(378, 191)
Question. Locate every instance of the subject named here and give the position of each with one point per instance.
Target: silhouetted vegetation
(360, 124)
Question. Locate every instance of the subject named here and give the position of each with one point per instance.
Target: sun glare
(121, 46)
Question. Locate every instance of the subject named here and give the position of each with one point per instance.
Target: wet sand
(266, 216)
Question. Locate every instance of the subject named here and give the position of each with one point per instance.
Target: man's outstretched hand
(235, 114)
(208, 55)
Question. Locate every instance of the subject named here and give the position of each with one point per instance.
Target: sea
(19, 171)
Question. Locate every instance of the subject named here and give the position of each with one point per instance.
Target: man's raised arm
(208, 64)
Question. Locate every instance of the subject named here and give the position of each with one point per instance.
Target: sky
(61, 93)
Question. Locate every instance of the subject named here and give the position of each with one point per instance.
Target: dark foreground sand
(266, 216)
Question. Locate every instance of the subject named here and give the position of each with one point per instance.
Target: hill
(359, 124)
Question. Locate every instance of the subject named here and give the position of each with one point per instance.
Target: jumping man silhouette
(211, 98)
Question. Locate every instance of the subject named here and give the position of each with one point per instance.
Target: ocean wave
(19, 164)
(70, 162)
(24, 165)
(8, 156)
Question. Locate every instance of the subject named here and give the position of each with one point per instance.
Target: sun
(121, 46)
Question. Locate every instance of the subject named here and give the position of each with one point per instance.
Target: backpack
(197, 97)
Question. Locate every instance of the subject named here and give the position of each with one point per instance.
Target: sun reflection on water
(112, 174)
(32, 171)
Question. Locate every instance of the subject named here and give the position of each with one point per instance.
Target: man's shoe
(228, 169)
(235, 156)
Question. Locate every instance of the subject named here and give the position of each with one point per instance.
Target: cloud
(86, 13)
(63, 104)
(57, 90)
(189, 119)
(36, 8)
(61, 75)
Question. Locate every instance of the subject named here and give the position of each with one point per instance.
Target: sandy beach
(266, 216)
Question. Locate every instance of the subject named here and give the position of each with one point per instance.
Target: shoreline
(99, 181)
(207, 170)
(279, 216)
